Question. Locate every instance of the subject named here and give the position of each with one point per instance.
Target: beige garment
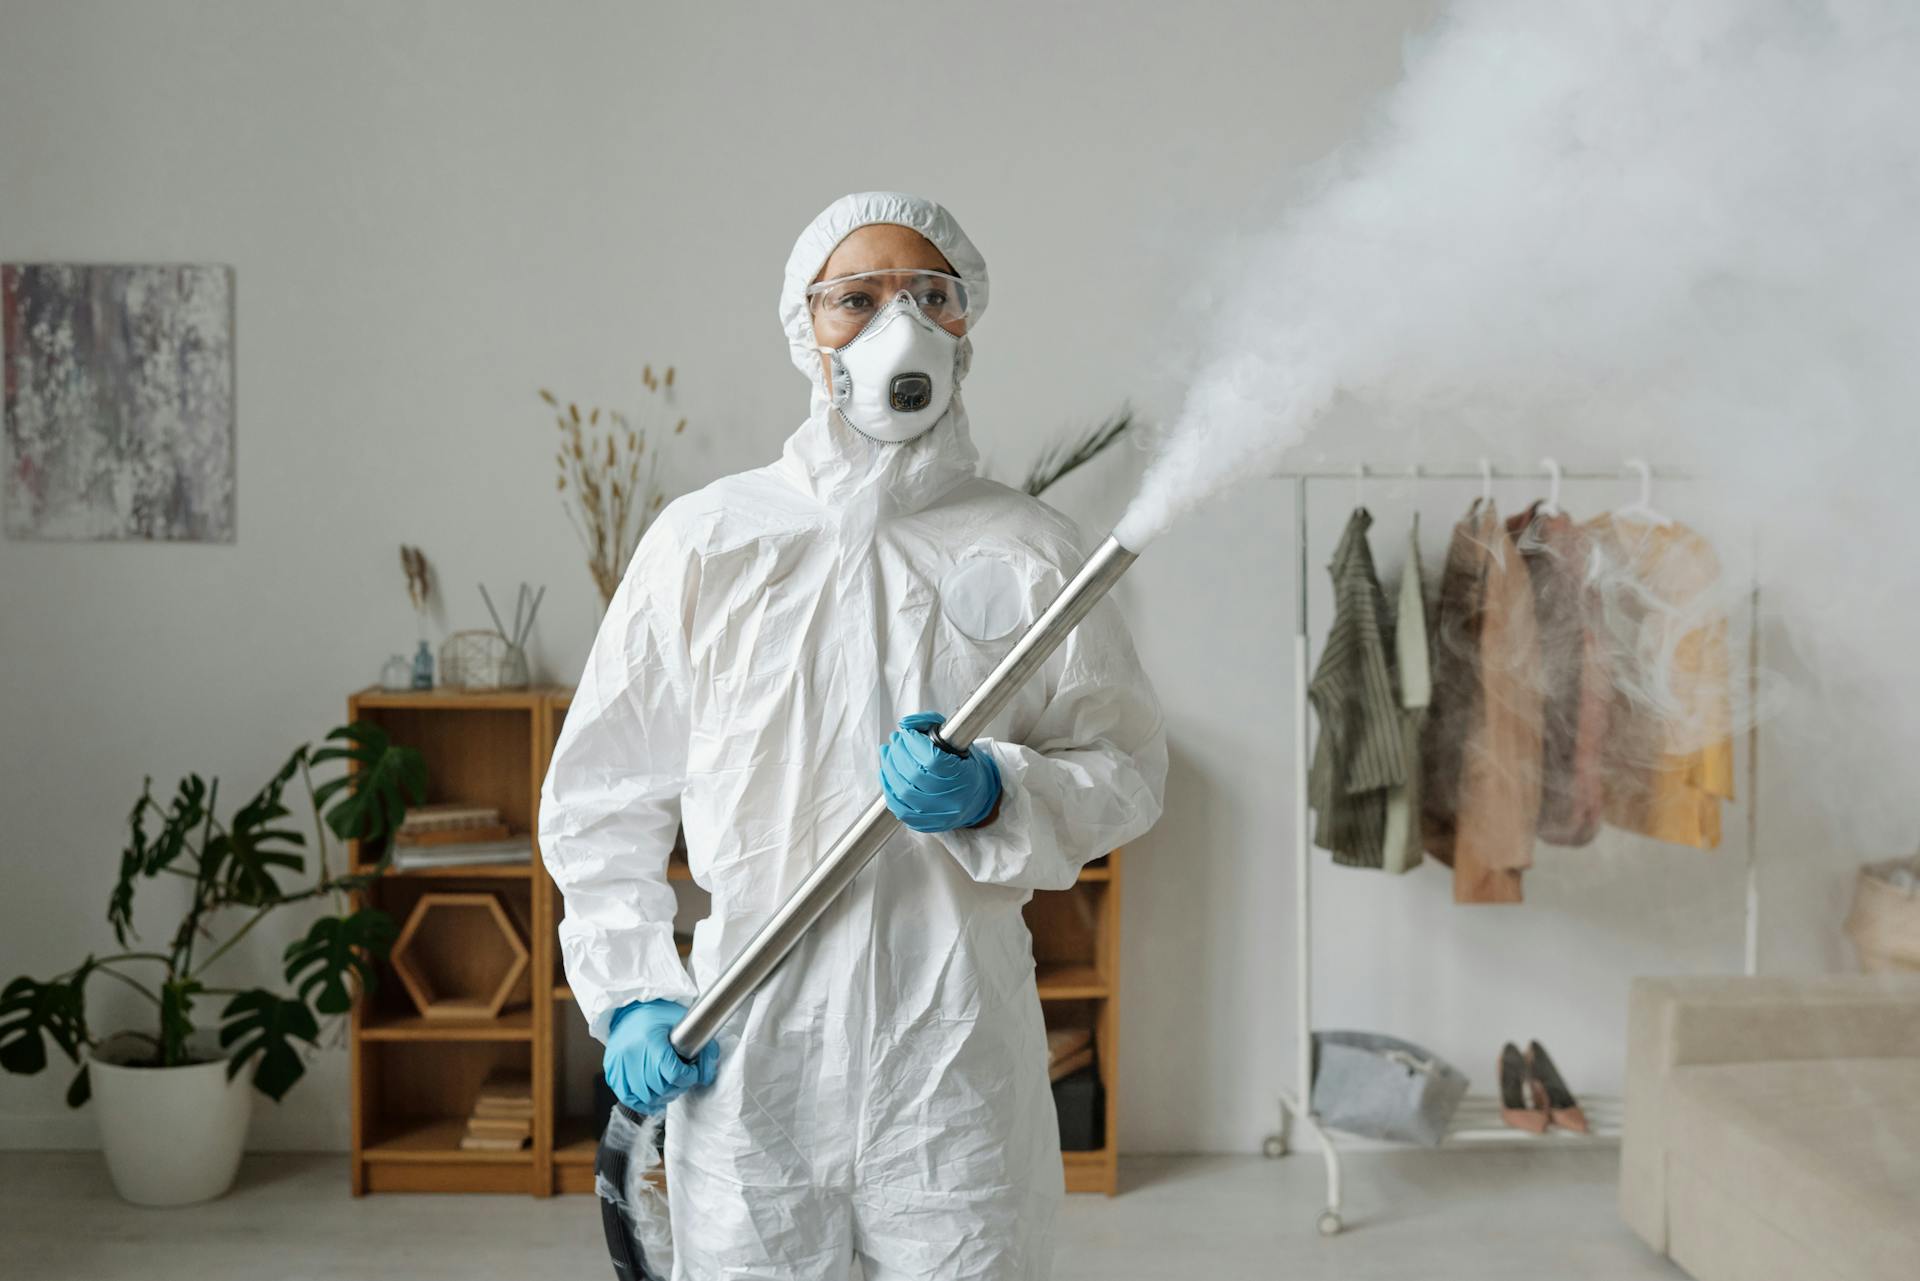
(1668, 761)
(1413, 668)
(1483, 735)
(1576, 677)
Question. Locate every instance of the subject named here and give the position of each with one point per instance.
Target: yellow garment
(1668, 763)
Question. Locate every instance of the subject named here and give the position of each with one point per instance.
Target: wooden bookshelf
(413, 1079)
(1076, 953)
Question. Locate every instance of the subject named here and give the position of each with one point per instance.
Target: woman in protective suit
(763, 665)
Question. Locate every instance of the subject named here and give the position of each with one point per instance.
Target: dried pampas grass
(599, 476)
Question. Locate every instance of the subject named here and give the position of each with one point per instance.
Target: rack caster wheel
(1329, 1224)
(1275, 1147)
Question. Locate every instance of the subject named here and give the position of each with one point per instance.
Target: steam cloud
(1608, 228)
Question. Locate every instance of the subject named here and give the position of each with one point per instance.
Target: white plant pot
(174, 1135)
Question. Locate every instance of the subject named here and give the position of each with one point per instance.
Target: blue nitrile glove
(640, 1061)
(930, 788)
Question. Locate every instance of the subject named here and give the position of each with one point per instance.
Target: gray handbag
(1380, 1087)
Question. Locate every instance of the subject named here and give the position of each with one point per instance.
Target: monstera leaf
(33, 1013)
(266, 1025)
(243, 857)
(336, 947)
(147, 858)
(376, 791)
(120, 902)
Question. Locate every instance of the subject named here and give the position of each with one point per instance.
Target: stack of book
(1068, 1050)
(502, 1119)
(447, 834)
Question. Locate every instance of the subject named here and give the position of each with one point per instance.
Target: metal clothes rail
(1477, 1121)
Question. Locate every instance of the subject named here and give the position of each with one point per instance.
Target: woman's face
(879, 246)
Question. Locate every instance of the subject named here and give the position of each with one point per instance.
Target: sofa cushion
(1828, 1151)
(1716, 1238)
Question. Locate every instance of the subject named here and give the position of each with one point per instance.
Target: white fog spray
(1612, 228)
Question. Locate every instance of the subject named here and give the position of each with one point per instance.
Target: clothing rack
(1476, 1122)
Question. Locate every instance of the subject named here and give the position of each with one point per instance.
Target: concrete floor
(1421, 1216)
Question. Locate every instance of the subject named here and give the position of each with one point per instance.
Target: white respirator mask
(896, 377)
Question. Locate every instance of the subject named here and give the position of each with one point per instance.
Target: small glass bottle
(423, 667)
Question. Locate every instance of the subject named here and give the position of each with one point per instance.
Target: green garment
(1362, 751)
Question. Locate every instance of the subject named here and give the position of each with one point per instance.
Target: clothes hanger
(1643, 508)
(1552, 506)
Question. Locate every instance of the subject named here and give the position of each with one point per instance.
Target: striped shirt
(1362, 749)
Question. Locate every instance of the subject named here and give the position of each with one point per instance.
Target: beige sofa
(1773, 1126)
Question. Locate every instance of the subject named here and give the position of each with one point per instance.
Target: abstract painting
(118, 401)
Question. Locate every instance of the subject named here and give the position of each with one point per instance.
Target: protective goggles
(842, 306)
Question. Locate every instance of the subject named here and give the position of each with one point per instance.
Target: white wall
(434, 209)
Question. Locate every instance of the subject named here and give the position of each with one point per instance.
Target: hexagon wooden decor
(459, 955)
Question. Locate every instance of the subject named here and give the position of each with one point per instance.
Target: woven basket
(1885, 921)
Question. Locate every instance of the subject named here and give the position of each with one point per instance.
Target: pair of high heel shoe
(1532, 1093)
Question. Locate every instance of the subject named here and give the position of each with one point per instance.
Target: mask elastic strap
(839, 383)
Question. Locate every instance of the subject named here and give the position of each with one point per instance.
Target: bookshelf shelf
(513, 1025)
(1071, 983)
(466, 872)
(575, 1141)
(436, 1140)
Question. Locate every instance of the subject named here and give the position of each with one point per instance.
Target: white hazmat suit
(885, 1094)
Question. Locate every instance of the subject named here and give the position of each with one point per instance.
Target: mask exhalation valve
(910, 392)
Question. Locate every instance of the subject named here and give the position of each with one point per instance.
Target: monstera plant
(236, 871)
